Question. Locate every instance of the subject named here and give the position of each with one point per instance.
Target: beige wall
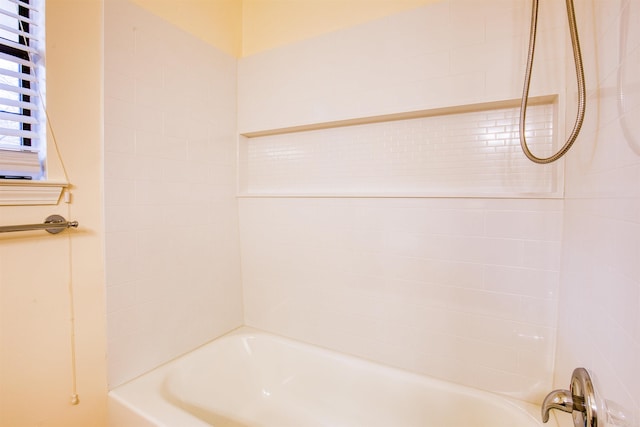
(245, 27)
(217, 22)
(35, 361)
(271, 23)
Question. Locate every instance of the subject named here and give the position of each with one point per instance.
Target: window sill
(27, 193)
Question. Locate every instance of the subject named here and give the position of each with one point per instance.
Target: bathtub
(252, 378)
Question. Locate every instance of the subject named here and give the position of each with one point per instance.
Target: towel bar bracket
(60, 224)
(53, 224)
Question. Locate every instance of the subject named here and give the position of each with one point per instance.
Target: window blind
(21, 143)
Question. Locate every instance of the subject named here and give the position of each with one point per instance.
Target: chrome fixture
(53, 224)
(579, 400)
(582, 98)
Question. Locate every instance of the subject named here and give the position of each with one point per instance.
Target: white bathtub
(251, 378)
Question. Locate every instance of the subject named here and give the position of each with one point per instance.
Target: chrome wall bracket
(579, 400)
(57, 224)
(53, 224)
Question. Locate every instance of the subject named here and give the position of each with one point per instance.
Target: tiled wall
(172, 251)
(463, 289)
(452, 52)
(453, 154)
(599, 322)
(459, 288)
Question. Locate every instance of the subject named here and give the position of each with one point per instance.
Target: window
(21, 139)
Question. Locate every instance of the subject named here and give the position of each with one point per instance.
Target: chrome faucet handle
(579, 400)
(557, 399)
(585, 405)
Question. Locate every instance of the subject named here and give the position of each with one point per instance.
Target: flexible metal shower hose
(577, 56)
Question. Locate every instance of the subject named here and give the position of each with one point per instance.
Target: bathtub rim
(119, 404)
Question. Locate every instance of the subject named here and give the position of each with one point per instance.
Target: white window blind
(21, 142)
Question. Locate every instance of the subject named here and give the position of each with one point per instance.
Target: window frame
(24, 26)
(35, 190)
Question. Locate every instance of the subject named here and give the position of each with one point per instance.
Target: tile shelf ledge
(30, 193)
(248, 187)
(407, 115)
(468, 195)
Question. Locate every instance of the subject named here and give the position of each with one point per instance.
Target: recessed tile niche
(462, 151)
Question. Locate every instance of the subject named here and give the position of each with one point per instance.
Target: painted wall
(463, 289)
(35, 268)
(172, 246)
(217, 22)
(269, 24)
(245, 27)
(599, 322)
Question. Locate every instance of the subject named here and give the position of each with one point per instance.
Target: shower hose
(577, 56)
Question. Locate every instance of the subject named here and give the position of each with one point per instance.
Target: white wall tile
(525, 225)
(454, 154)
(122, 139)
(419, 283)
(123, 192)
(119, 85)
(119, 112)
(170, 183)
(601, 278)
(399, 272)
(382, 65)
